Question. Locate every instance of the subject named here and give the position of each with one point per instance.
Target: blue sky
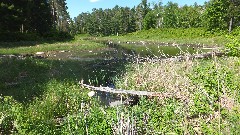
(75, 7)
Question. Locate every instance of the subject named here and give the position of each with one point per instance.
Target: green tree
(11, 15)
(141, 11)
(82, 22)
(158, 11)
(216, 15)
(39, 16)
(149, 21)
(60, 15)
(233, 13)
(170, 16)
(25, 16)
(190, 16)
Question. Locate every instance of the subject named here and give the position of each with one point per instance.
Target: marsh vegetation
(157, 49)
(43, 95)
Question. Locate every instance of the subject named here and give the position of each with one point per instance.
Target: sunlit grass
(33, 47)
(193, 36)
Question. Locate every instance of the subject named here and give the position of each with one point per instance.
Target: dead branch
(160, 95)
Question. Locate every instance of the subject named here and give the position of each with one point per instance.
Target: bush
(236, 31)
(17, 36)
(50, 36)
(213, 81)
(233, 46)
(57, 36)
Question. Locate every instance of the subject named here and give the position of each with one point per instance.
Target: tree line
(215, 15)
(40, 17)
(48, 18)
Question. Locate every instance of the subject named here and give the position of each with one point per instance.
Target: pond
(126, 50)
(95, 67)
(108, 62)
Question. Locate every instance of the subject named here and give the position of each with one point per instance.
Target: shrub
(17, 36)
(57, 36)
(233, 46)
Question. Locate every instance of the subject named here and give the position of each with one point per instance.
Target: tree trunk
(230, 25)
(21, 28)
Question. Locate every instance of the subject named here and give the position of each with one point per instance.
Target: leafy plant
(233, 46)
(213, 81)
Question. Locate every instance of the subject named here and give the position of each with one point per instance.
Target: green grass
(28, 47)
(160, 51)
(42, 96)
(36, 93)
(180, 36)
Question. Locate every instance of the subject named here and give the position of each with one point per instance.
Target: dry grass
(165, 76)
(169, 75)
(172, 77)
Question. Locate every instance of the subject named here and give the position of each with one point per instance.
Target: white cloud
(94, 1)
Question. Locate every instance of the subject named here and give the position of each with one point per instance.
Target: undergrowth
(207, 90)
(41, 96)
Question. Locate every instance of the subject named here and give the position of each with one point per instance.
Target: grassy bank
(193, 36)
(42, 96)
(25, 47)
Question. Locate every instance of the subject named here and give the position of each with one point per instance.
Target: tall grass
(198, 97)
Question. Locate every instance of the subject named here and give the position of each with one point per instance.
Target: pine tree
(60, 15)
(11, 15)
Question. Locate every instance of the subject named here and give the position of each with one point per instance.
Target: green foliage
(190, 16)
(171, 33)
(20, 15)
(236, 32)
(193, 36)
(91, 121)
(57, 36)
(11, 15)
(119, 20)
(47, 37)
(42, 96)
(170, 15)
(149, 21)
(215, 81)
(233, 46)
(17, 36)
(216, 15)
(30, 20)
(213, 16)
(60, 16)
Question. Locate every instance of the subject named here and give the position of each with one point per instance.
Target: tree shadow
(25, 79)
(11, 40)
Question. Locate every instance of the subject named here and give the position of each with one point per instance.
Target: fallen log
(118, 91)
(160, 95)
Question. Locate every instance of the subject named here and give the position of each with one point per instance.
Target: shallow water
(126, 50)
